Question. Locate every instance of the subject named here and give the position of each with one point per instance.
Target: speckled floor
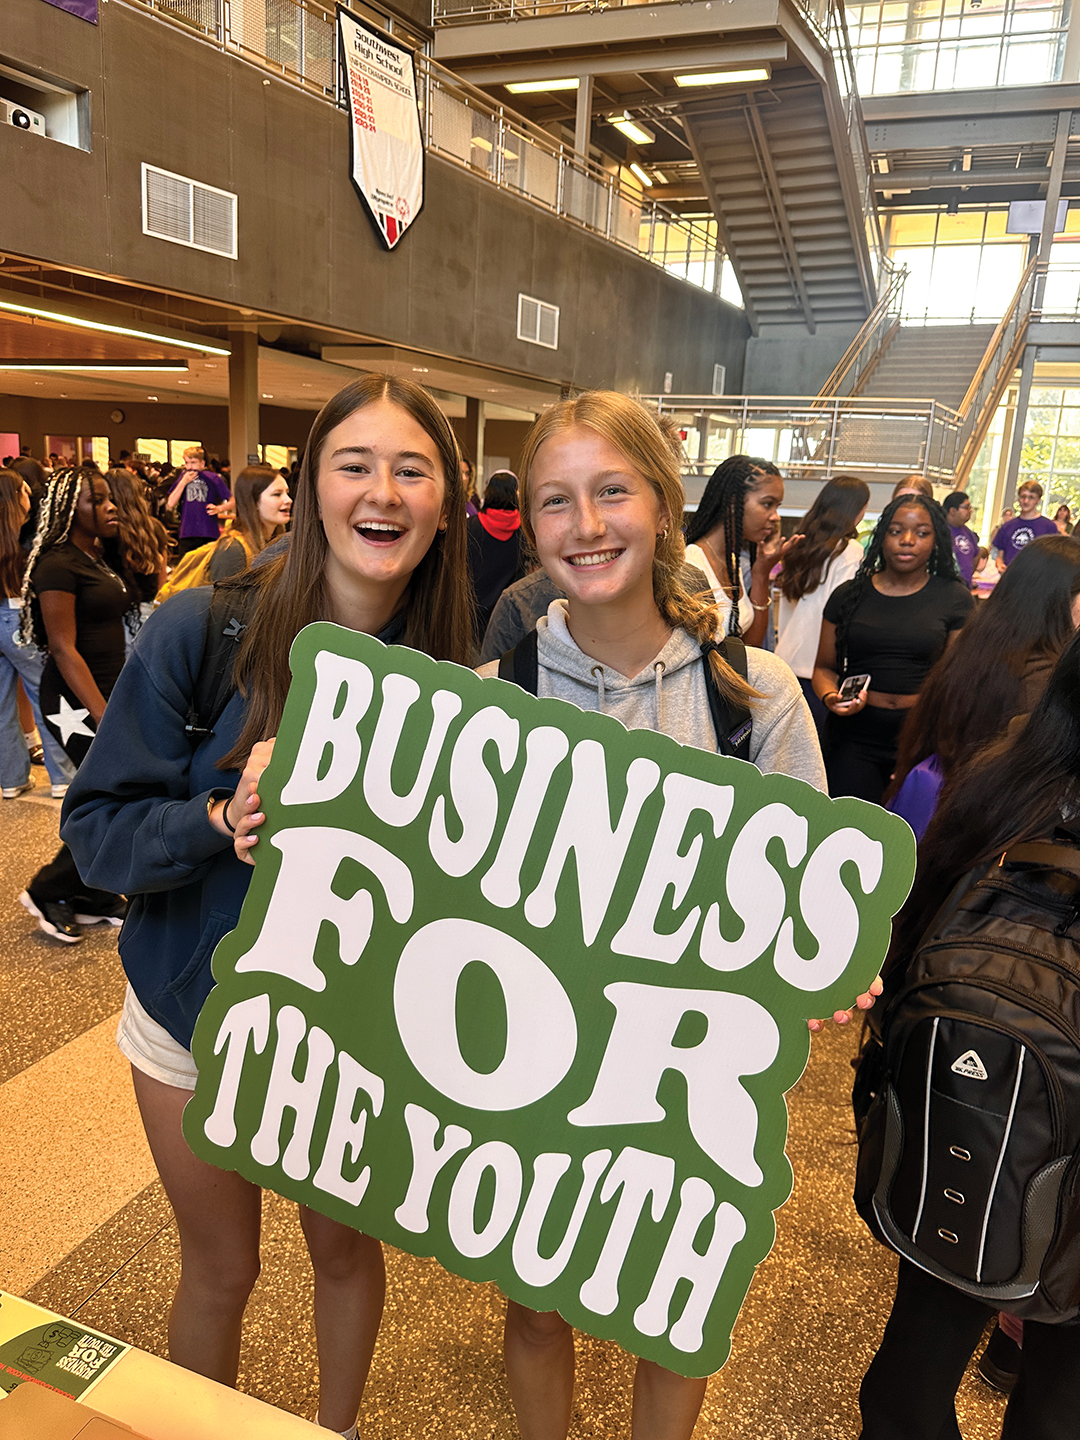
(97, 1239)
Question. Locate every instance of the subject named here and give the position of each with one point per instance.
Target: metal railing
(810, 438)
(996, 369)
(297, 41)
(863, 355)
(832, 27)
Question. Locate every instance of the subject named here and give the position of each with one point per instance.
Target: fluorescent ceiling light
(22, 308)
(533, 87)
(481, 142)
(723, 77)
(645, 179)
(639, 134)
(70, 366)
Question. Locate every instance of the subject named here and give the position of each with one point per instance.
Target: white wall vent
(187, 212)
(538, 322)
(719, 379)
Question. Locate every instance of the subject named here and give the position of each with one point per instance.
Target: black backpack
(968, 1106)
(227, 618)
(731, 722)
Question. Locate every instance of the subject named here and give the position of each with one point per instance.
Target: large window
(956, 44)
(1051, 453)
(961, 268)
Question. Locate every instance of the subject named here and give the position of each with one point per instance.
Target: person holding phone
(880, 634)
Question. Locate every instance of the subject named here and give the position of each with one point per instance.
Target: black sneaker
(1000, 1362)
(114, 916)
(55, 917)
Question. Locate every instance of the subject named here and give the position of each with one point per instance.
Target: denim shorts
(151, 1049)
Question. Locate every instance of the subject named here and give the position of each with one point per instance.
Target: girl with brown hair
(378, 545)
(143, 540)
(263, 507)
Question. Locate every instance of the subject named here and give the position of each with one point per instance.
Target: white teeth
(381, 525)
(600, 559)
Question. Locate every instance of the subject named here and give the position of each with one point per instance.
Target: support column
(1053, 197)
(243, 399)
(583, 120)
(1070, 63)
(474, 429)
(1016, 440)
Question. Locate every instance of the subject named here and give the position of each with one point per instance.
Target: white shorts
(151, 1049)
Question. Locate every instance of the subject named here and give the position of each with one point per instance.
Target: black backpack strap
(521, 665)
(1044, 853)
(226, 620)
(732, 723)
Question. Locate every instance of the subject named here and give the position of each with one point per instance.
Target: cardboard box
(31, 1412)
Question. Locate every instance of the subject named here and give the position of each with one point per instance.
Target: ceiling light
(481, 142)
(183, 382)
(659, 175)
(305, 385)
(510, 154)
(420, 370)
(724, 77)
(267, 397)
(151, 397)
(180, 368)
(639, 134)
(21, 308)
(645, 179)
(534, 87)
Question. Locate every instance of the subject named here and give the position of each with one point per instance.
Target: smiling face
(95, 513)
(275, 505)
(594, 516)
(909, 540)
(761, 508)
(381, 495)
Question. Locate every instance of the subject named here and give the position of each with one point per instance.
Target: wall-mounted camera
(21, 117)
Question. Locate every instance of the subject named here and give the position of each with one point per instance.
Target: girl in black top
(75, 605)
(891, 622)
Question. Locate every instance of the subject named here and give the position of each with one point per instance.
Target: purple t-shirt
(1012, 537)
(965, 544)
(205, 488)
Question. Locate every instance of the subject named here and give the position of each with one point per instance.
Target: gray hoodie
(669, 696)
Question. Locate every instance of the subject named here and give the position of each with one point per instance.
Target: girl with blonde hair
(602, 502)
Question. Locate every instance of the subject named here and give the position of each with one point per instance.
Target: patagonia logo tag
(970, 1065)
(736, 738)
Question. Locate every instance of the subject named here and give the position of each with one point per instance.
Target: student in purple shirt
(202, 495)
(1027, 526)
(965, 542)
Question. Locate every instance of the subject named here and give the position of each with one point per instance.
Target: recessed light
(639, 134)
(534, 87)
(267, 397)
(642, 175)
(183, 382)
(723, 77)
(151, 397)
(420, 370)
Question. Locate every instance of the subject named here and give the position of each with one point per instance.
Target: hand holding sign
(523, 990)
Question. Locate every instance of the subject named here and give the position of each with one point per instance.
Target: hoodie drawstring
(658, 670)
(597, 672)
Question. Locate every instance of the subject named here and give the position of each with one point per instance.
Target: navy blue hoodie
(135, 816)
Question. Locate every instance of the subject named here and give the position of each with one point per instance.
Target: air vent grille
(538, 322)
(188, 213)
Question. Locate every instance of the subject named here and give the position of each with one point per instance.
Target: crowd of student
(583, 580)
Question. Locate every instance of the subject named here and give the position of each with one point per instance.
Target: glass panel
(914, 229)
(158, 450)
(177, 448)
(953, 229)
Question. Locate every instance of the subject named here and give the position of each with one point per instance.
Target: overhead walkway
(780, 155)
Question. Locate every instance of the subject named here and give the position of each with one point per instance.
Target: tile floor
(86, 1230)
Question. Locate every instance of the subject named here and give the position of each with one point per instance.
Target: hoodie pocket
(218, 924)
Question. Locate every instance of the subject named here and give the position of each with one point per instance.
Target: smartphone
(853, 687)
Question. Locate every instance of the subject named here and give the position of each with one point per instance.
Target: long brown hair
(827, 527)
(142, 538)
(634, 431)
(438, 606)
(247, 491)
(12, 555)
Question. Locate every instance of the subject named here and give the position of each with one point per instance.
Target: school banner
(84, 9)
(386, 145)
(523, 990)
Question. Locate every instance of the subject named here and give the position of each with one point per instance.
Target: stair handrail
(867, 343)
(995, 369)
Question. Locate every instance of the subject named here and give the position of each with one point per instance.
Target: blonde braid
(54, 526)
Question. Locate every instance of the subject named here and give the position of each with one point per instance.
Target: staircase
(929, 362)
(795, 239)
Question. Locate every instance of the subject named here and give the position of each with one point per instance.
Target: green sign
(523, 990)
(46, 1350)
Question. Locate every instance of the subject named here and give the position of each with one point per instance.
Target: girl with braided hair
(74, 606)
(890, 623)
(739, 509)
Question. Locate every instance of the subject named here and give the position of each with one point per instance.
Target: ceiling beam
(965, 179)
(656, 60)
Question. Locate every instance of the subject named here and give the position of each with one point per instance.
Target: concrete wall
(306, 248)
(785, 360)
